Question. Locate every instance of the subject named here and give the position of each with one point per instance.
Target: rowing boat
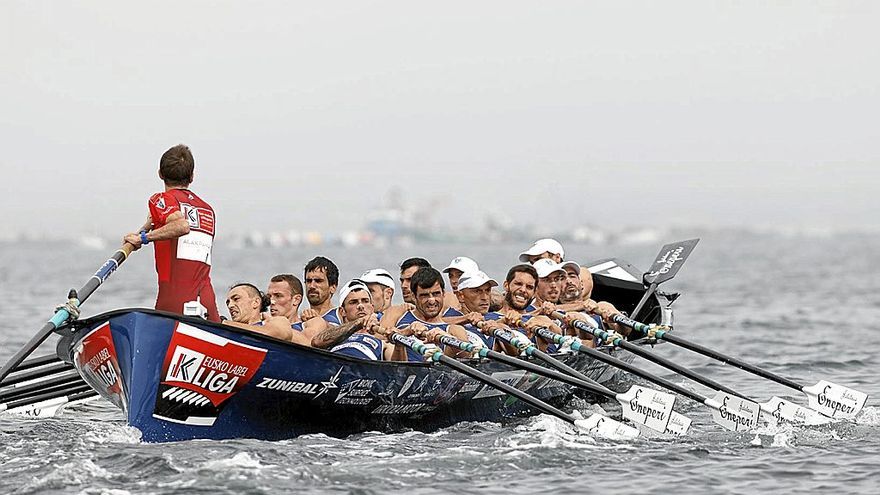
(179, 378)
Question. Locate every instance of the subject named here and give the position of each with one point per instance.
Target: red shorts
(172, 297)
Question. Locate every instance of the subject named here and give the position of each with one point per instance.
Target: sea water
(806, 307)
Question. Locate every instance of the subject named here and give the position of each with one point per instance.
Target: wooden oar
(731, 412)
(640, 405)
(47, 404)
(19, 376)
(598, 424)
(829, 399)
(23, 389)
(665, 266)
(62, 315)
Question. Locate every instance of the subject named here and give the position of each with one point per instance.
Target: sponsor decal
(469, 387)
(97, 363)
(303, 388)
(666, 262)
(400, 408)
(201, 219)
(511, 378)
(201, 372)
(356, 393)
(837, 402)
(406, 385)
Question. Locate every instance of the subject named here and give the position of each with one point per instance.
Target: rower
(285, 294)
(475, 294)
(322, 277)
(247, 306)
(453, 272)
(552, 277)
(381, 285)
(426, 285)
(552, 249)
(407, 269)
(521, 286)
(352, 337)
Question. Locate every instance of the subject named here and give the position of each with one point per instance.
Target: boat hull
(178, 378)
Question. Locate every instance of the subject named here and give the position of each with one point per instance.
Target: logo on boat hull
(200, 373)
(97, 363)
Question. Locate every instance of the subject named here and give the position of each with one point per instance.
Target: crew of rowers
(542, 292)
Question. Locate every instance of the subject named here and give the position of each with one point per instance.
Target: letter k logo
(182, 367)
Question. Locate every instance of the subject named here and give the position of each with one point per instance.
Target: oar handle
(589, 385)
(631, 323)
(62, 315)
(486, 379)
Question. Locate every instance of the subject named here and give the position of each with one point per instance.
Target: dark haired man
(353, 336)
(321, 277)
(182, 227)
(427, 287)
(407, 269)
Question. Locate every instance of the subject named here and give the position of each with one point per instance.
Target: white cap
(355, 284)
(572, 264)
(546, 266)
(378, 276)
(462, 263)
(542, 246)
(474, 279)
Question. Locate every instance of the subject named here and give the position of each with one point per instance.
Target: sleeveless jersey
(408, 318)
(452, 312)
(298, 326)
(183, 265)
(332, 316)
(362, 346)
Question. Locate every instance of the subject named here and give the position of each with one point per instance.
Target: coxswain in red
(182, 227)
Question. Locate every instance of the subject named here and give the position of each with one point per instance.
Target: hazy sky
(303, 114)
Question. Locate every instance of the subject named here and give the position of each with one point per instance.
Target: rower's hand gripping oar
(665, 266)
(597, 424)
(640, 405)
(728, 411)
(63, 314)
(829, 399)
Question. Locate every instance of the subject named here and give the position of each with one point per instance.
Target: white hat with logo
(378, 276)
(474, 279)
(546, 266)
(542, 246)
(463, 264)
(355, 284)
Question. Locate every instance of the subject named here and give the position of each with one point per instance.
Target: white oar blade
(606, 427)
(679, 424)
(646, 406)
(835, 401)
(783, 410)
(734, 413)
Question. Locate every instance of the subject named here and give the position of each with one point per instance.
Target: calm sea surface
(807, 308)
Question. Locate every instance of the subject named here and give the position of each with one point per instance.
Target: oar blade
(646, 406)
(605, 427)
(835, 401)
(669, 261)
(734, 413)
(782, 409)
(679, 424)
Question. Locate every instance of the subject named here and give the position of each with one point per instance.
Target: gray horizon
(304, 116)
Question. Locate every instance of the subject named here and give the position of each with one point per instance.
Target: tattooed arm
(334, 335)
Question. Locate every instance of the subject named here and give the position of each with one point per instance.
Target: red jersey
(184, 264)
